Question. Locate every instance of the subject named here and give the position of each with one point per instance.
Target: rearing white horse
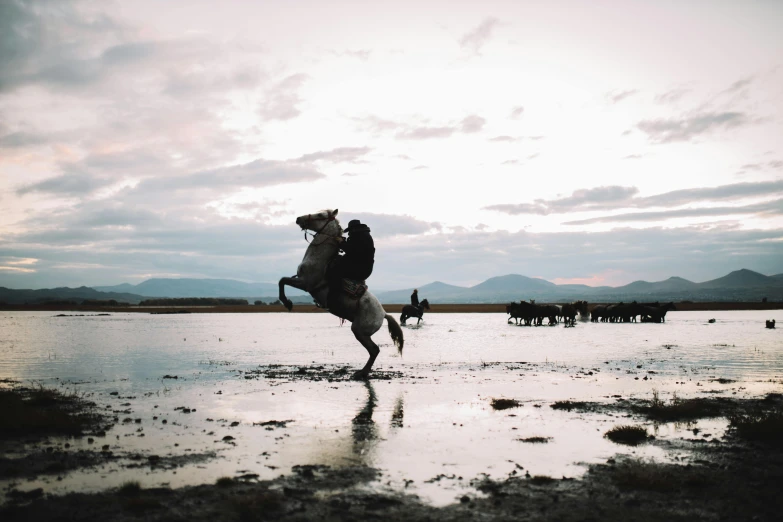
(366, 314)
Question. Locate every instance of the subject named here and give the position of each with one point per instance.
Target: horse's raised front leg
(372, 349)
(290, 281)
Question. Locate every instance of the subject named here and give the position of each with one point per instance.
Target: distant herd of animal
(532, 314)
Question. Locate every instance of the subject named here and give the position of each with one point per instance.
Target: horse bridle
(329, 219)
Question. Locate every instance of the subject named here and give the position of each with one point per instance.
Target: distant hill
(741, 279)
(166, 287)
(11, 296)
(433, 291)
(673, 284)
(740, 285)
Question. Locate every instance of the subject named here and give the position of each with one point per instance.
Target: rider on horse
(358, 261)
(415, 297)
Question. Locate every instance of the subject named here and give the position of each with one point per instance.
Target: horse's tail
(396, 333)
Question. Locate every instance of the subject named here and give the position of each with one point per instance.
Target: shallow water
(430, 428)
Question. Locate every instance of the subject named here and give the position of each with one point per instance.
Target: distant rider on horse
(415, 297)
(358, 261)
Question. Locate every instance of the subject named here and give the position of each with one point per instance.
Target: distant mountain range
(159, 287)
(740, 285)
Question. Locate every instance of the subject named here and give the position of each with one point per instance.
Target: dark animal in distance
(409, 311)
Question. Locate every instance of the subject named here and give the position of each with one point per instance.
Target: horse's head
(316, 222)
(425, 304)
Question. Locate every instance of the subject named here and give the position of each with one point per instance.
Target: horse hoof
(289, 305)
(360, 376)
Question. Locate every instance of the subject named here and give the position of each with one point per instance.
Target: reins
(309, 218)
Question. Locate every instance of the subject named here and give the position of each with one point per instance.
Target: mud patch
(330, 373)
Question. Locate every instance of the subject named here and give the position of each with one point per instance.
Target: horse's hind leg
(372, 349)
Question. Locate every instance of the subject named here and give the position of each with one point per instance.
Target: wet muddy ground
(647, 422)
(732, 475)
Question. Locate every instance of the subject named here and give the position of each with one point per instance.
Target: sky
(596, 142)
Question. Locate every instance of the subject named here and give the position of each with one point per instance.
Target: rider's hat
(352, 224)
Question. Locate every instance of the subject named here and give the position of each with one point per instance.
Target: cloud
(599, 197)
(618, 96)
(361, 54)
(185, 247)
(15, 140)
(697, 253)
(739, 85)
(517, 112)
(757, 167)
(472, 123)
(478, 37)
(672, 96)
(767, 209)
(45, 42)
(425, 133)
(633, 156)
(377, 125)
(616, 197)
(339, 155)
(72, 184)
(387, 225)
(685, 129)
(258, 173)
(283, 99)
(722, 192)
(504, 138)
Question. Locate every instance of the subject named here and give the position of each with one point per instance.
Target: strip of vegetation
(678, 409)
(536, 440)
(759, 426)
(44, 411)
(192, 301)
(504, 404)
(631, 435)
(570, 405)
(634, 474)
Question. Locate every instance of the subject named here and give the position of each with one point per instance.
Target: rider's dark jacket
(359, 251)
(415, 299)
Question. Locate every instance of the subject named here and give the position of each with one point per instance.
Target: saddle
(354, 289)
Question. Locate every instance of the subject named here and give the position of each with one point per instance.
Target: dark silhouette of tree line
(193, 301)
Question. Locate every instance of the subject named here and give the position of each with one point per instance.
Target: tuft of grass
(263, 505)
(626, 434)
(504, 404)
(43, 411)
(633, 474)
(139, 505)
(759, 426)
(224, 482)
(536, 440)
(540, 480)
(569, 405)
(132, 488)
(678, 409)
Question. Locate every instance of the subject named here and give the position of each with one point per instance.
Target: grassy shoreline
(390, 308)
